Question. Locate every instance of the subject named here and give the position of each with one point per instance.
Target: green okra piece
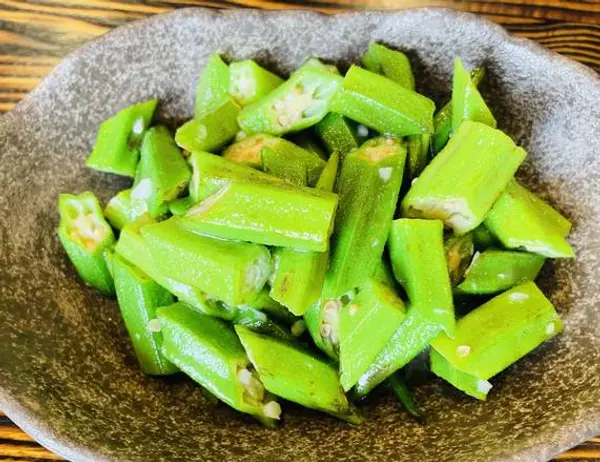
(163, 173)
(297, 375)
(85, 235)
(119, 138)
(493, 336)
(212, 90)
(233, 272)
(521, 220)
(209, 351)
(309, 142)
(248, 150)
(257, 321)
(483, 238)
(109, 255)
(337, 133)
(249, 82)
(462, 182)
(329, 174)
(122, 209)
(382, 104)
(181, 205)
(368, 185)
(392, 64)
(419, 264)
(211, 131)
(133, 247)
(139, 297)
(413, 336)
(493, 271)
(316, 63)
(383, 274)
(263, 302)
(417, 155)
(277, 214)
(365, 325)
(459, 253)
(292, 163)
(442, 120)
(404, 394)
(467, 102)
(211, 173)
(298, 103)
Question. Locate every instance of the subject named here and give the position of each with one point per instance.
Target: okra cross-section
(462, 182)
(366, 324)
(497, 270)
(123, 209)
(493, 336)
(230, 271)
(419, 264)
(381, 104)
(459, 254)
(85, 235)
(521, 220)
(248, 150)
(296, 374)
(208, 350)
(267, 213)
(298, 103)
(118, 141)
(249, 82)
(139, 297)
(368, 185)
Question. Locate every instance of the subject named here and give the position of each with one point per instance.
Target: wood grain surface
(35, 35)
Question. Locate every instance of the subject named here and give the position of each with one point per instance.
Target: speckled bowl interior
(67, 372)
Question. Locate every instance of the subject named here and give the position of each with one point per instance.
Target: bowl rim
(61, 444)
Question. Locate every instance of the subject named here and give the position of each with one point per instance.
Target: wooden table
(36, 34)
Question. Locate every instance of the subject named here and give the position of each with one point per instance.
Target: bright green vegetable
(297, 375)
(382, 104)
(316, 63)
(230, 271)
(122, 209)
(309, 142)
(419, 264)
(418, 154)
(368, 185)
(119, 138)
(248, 150)
(249, 82)
(289, 161)
(459, 253)
(365, 325)
(391, 63)
(462, 182)
(467, 102)
(211, 131)
(267, 213)
(212, 90)
(274, 309)
(208, 350)
(329, 174)
(493, 336)
(483, 238)
(521, 220)
(180, 206)
(163, 173)
(383, 274)
(254, 319)
(497, 270)
(298, 103)
(85, 235)
(404, 395)
(322, 323)
(337, 133)
(139, 297)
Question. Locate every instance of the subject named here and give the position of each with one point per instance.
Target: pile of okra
(307, 238)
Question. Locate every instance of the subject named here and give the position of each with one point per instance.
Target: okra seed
(362, 130)
(325, 330)
(484, 386)
(245, 377)
(138, 126)
(550, 328)
(389, 141)
(153, 325)
(331, 306)
(518, 297)
(272, 410)
(414, 180)
(385, 173)
(298, 328)
(278, 105)
(353, 309)
(462, 351)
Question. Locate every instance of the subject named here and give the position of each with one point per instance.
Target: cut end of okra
(213, 86)
(248, 150)
(459, 253)
(393, 64)
(248, 82)
(467, 102)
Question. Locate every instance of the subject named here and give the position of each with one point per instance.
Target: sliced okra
(337, 133)
(256, 320)
(521, 220)
(297, 375)
(467, 102)
(211, 131)
(329, 174)
(417, 155)
(309, 142)
(139, 297)
(298, 103)
(368, 185)
(404, 394)
(263, 302)
(119, 138)
(493, 336)
(248, 150)
(459, 253)
(366, 324)
(316, 63)
(292, 163)
(249, 82)
(233, 272)
(383, 274)
(493, 271)
(462, 182)
(212, 90)
(85, 235)
(392, 64)
(382, 104)
(181, 205)
(122, 209)
(209, 351)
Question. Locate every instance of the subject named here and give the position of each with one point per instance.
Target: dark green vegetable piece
(459, 253)
(391, 63)
(118, 141)
(208, 350)
(139, 297)
(297, 375)
(497, 270)
(212, 90)
(337, 133)
(254, 319)
(483, 238)
(85, 235)
(404, 394)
